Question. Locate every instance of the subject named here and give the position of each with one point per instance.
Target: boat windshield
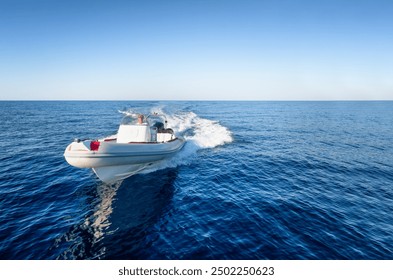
(133, 119)
(153, 120)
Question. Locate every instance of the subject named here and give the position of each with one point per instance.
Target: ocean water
(255, 180)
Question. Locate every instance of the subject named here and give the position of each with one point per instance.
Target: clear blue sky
(258, 50)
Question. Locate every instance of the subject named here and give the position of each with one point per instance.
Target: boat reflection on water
(122, 220)
(99, 221)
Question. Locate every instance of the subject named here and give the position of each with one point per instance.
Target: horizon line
(199, 100)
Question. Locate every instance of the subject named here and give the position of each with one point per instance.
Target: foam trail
(199, 133)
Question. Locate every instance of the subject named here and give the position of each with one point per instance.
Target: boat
(140, 141)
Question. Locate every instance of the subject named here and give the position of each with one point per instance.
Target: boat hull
(113, 161)
(111, 174)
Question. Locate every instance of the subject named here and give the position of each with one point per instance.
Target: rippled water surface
(256, 180)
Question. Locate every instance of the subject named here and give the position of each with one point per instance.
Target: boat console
(137, 128)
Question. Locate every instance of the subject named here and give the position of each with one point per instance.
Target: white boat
(139, 142)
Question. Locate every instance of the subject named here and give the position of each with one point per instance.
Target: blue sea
(255, 180)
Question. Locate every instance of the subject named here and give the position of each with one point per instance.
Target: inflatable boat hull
(113, 161)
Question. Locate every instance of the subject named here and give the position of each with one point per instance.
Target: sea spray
(204, 133)
(199, 133)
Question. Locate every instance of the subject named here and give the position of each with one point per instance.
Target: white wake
(199, 133)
